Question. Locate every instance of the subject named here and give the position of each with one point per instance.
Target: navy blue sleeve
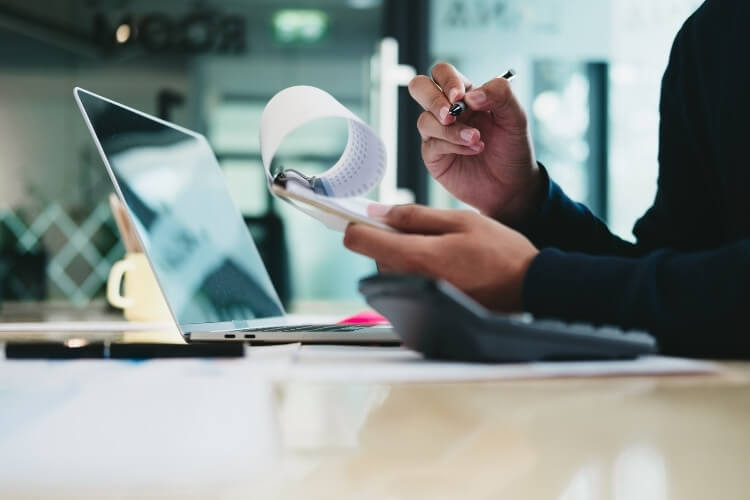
(564, 224)
(694, 303)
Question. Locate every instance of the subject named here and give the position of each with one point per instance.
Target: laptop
(202, 254)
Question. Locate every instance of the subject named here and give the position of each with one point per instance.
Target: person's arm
(684, 213)
(690, 285)
(566, 225)
(695, 303)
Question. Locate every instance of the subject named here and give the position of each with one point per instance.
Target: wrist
(520, 209)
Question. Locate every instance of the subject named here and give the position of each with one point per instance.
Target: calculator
(441, 322)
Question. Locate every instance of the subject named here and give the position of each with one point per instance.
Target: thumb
(497, 97)
(418, 218)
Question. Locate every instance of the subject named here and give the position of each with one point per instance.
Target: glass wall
(642, 35)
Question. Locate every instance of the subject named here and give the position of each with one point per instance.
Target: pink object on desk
(364, 318)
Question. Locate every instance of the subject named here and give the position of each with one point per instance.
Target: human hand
(478, 255)
(484, 157)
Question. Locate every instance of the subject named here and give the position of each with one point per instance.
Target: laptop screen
(199, 247)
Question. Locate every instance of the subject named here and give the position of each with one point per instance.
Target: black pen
(459, 106)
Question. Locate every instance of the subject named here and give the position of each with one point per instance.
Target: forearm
(692, 302)
(559, 222)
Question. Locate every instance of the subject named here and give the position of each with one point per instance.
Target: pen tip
(456, 109)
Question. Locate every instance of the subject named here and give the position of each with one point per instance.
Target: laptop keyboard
(308, 328)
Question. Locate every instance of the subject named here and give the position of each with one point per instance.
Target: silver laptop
(202, 254)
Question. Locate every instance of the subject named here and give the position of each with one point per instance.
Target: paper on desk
(359, 169)
(388, 364)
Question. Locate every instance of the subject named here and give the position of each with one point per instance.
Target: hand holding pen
(459, 107)
(481, 154)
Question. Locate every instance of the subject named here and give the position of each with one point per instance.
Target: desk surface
(666, 438)
(213, 429)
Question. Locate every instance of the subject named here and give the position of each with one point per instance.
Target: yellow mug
(141, 298)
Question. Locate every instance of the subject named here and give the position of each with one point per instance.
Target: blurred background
(589, 76)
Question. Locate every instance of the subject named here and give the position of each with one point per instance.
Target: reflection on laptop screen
(202, 254)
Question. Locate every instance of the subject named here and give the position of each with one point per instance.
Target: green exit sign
(299, 26)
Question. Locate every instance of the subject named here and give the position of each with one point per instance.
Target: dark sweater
(687, 279)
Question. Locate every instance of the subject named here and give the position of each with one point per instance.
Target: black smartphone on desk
(121, 350)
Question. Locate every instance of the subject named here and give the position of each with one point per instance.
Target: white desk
(226, 429)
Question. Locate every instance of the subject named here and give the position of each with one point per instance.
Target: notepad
(337, 196)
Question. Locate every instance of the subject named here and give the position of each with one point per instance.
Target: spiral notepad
(359, 169)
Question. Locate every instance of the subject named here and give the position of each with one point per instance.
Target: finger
(451, 81)
(396, 252)
(431, 98)
(497, 97)
(378, 210)
(429, 127)
(424, 220)
(434, 149)
(419, 218)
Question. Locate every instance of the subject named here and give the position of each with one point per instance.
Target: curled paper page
(359, 169)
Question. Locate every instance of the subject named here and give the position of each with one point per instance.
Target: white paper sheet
(388, 364)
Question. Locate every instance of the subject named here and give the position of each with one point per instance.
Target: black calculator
(438, 320)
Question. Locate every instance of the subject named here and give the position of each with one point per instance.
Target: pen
(459, 106)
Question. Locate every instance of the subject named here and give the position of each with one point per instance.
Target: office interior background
(589, 76)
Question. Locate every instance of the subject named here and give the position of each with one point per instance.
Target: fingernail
(452, 95)
(467, 135)
(477, 147)
(378, 209)
(477, 96)
(443, 113)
